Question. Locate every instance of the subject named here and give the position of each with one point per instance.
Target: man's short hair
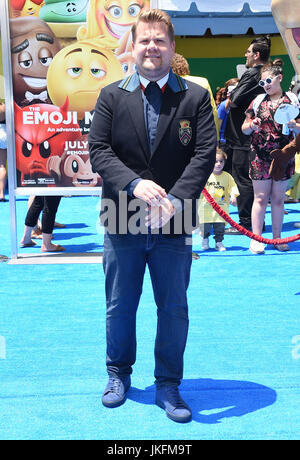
(153, 16)
(262, 45)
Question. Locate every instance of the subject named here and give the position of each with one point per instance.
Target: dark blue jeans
(218, 230)
(124, 262)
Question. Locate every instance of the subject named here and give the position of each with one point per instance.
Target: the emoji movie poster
(63, 53)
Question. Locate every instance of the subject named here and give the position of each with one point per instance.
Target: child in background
(293, 192)
(223, 189)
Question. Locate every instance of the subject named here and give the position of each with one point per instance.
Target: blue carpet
(242, 362)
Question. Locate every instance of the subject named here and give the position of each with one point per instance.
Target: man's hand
(158, 216)
(149, 191)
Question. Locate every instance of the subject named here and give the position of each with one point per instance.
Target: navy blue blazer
(184, 151)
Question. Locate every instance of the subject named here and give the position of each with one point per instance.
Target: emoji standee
(73, 168)
(64, 16)
(286, 14)
(82, 70)
(113, 18)
(125, 56)
(25, 8)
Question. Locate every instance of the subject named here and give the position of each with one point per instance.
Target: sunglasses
(267, 81)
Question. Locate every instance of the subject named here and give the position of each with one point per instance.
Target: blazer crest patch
(185, 132)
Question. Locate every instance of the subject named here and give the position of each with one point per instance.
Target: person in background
(181, 67)
(223, 189)
(3, 153)
(223, 107)
(37, 233)
(247, 89)
(49, 206)
(266, 137)
(293, 190)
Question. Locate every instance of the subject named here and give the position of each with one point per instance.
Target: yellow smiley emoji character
(112, 18)
(80, 71)
(118, 16)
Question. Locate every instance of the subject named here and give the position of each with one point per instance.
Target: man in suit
(237, 143)
(153, 142)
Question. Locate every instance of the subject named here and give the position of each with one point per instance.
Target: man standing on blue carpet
(153, 142)
(237, 143)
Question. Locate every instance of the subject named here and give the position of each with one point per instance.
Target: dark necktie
(153, 96)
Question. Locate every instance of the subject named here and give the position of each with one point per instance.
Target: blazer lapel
(136, 109)
(133, 98)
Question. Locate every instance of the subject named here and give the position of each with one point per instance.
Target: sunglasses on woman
(267, 81)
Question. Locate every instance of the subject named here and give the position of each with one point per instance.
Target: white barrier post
(2, 347)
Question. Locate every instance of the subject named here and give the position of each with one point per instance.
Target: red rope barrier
(241, 229)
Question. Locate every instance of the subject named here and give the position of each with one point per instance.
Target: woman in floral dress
(266, 135)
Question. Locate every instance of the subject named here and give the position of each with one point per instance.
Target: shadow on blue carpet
(225, 398)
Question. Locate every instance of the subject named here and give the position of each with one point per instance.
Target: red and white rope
(243, 230)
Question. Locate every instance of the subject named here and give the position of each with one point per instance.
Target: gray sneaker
(114, 394)
(169, 399)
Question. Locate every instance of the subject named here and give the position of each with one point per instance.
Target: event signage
(62, 54)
